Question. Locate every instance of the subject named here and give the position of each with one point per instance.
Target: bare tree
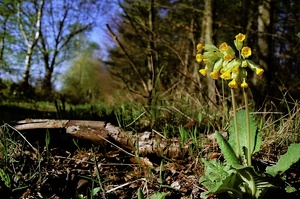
(208, 39)
(30, 31)
(62, 22)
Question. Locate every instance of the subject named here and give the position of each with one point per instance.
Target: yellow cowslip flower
(203, 71)
(215, 74)
(246, 52)
(244, 84)
(226, 75)
(233, 84)
(259, 71)
(223, 46)
(205, 60)
(199, 57)
(240, 37)
(200, 48)
(228, 57)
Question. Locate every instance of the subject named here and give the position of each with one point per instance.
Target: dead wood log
(99, 131)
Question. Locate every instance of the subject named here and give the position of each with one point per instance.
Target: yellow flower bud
(203, 71)
(233, 84)
(230, 51)
(240, 37)
(244, 63)
(235, 70)
(244, 84)
(199, 57)
(259, 71)
(200, 48)
(215, 74)
(246, 52)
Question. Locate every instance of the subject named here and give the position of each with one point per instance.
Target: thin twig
(125, 184)
(21, 136)
(116, 146)
(158, 133)
(129, 58)
(136, 119)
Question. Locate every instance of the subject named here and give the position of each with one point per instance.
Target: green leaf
(220, 178)
(5, 178)
(210, 47)
(95, 191)
(255, 137)
(140, 194)
(254, 184)
(290, 189)
(238, 45)
(159, 195)
(286, 161)
(226, 149)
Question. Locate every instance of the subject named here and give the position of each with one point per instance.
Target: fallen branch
(99, 132)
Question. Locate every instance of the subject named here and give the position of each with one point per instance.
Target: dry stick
(125, 184)
(21, 136)
(158, 134)
(128, 57)
(181, 113)
(135, 119)
(132, 91)
(116, 146)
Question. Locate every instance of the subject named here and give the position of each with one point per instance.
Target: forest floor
(50, 164)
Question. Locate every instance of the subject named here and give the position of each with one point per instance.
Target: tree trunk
(264, 48)
(264, 23)
(208, 35)
(47, 84)
(31, 43)
(2, 36)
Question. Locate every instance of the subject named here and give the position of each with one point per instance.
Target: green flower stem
(224, 103)
(235, 123)
(248, 127)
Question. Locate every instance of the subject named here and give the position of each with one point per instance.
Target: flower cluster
(225, 64)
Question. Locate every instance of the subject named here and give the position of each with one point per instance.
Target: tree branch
(115, 38)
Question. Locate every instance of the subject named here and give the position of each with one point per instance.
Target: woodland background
(47, 48)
